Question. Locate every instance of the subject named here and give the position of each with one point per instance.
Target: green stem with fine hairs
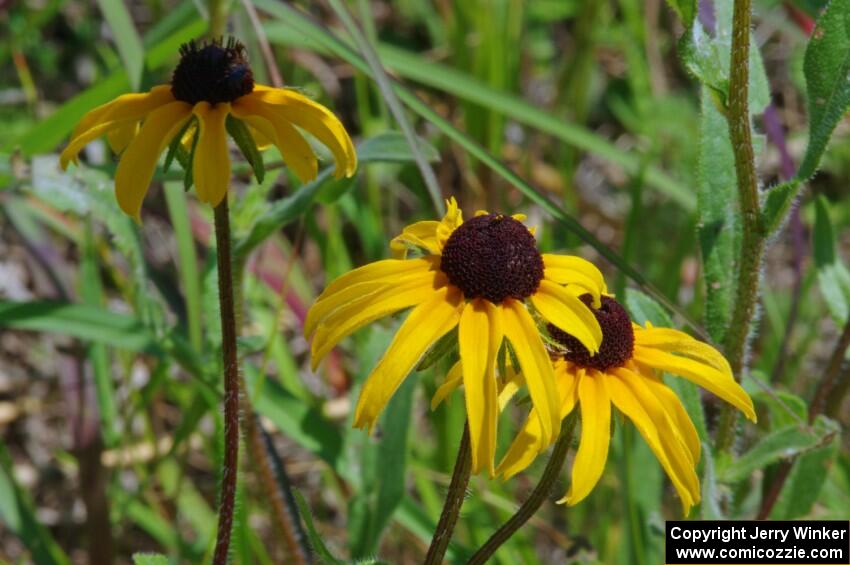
(454, 500)
(753, 237)
(230, 363)
(538, 496)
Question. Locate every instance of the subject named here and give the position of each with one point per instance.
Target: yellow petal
(261, 141)
(677, 414)
(569, 269)
(386, 270)
(528, 445)
(294, 149)
(450, 222)
(120, 137)
(347, 295)
(454, 379)
(420, 234)
(674, 341)
(426, 323)
(124, 110)
(513, 382)
(137, 164)
(568, 313)
(316, 119)
(595, 436)
(632, 397)
(211, 166)
(479, 337)
(704, 375)
(521, 331)
(353, 316)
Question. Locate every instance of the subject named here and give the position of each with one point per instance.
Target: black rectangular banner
(744, 542)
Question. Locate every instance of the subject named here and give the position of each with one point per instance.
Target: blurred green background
(109, 336)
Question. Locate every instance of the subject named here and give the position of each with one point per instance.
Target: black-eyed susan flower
(625, 373)
(482, 277)
(211, 87)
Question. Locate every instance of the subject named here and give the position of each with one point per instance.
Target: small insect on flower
(480, 276)
(624, 372)
(212, 92)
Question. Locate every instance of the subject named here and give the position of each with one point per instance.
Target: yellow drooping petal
(426, 323)
(120, 137)
(569, 269)
(421, 234)
(386, 270)
(137, 164)
(522, 332)
(703, 374)
(356, 314)
(674, 341)
(261, 141)
(119, 113)
(314, 118)
(294, 149)
(632, 397)
(569, 313)
(450, 222)
(595, 436)
(677, 413)
(479, 338)
(513, 382)
(528, 445)
(211, 165)
(454, 379)
(347, 295)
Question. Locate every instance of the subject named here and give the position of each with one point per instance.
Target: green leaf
(386, 147)
(126, 38)
(150, 559)
(385, 490)
(833, 276)
(644, 309)
(445, 345)
(827, 71)
(719, 229)
(806, 481)
(780, 444)
(685, 9)
(711, 507)
(777, 203)
(315, 537)
(245, 141)
(88, 323)
(17, 513)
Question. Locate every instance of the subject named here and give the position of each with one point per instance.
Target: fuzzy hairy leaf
(827, 71)
(719, 228)
(805, 482)
(833, 276)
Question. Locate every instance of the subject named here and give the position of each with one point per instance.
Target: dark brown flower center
(618, 337)
(493, 257)
(214, 72)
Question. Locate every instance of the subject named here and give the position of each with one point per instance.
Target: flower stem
(231, 383)
(535, 500)
(752, 241)
(454, 500)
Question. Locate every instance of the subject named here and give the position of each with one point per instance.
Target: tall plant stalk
(753, 237)
(535, 500)
(454, 500)
(230, 363)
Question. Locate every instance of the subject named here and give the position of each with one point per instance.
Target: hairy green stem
(230, 363)
(752, 241)
(454, 500)
(538, 496)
